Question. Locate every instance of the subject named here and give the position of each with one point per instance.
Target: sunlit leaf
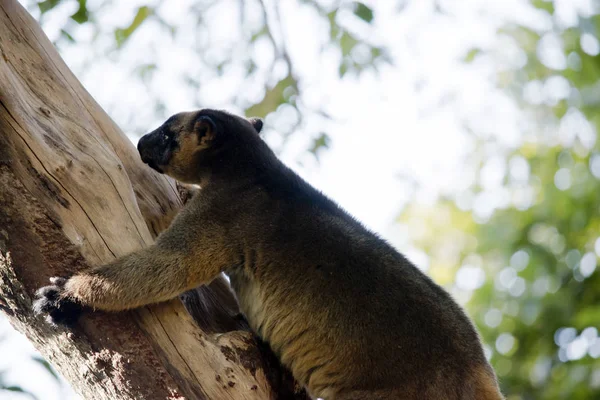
(343, 68)
(470, 56)
(321, 142)
(47, 5)
(263, 31)
(122, 34)
(334, 28)
(363, 12)
(67, 36)
(46, 366)
(546, 5)
(347, 43)
(250, 67)
(527, 38)
(14, 389)
(18, 389)
(376, 52)
(273, 97)
(81, 15)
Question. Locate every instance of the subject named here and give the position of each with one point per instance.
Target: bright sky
(408, 120)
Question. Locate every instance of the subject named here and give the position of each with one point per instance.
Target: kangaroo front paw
(52, 301)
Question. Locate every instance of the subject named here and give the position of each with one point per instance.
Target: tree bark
(73, 193)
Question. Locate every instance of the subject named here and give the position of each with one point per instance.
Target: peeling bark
(73, 193)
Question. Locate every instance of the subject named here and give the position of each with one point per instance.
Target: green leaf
(471, 55)
(334, 28)
(251, 67)
(14, 389)
(358, 67)
(546, 5)
(122, 34)
(281, 93)
(376, 52)
(263, 31)
(363, 12)
(47, 5)
(347, 43)
(321, 142)
(332, 16)
(343, 69)
(334, 31)
(46, 366)
(18, 389)
(82, 14)
(67, 36)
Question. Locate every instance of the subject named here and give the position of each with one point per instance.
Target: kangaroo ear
(206, 129)
(257, 123)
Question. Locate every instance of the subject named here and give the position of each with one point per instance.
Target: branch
(74, 194)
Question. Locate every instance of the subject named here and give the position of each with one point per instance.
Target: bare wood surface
(73, 193)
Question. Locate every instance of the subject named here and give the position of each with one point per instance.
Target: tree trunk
(73, 193)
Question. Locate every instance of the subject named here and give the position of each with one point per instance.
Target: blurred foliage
(283, 92)
(13, 389)
(12, 384)
(528, 267)
(122, 34)
(523, 255)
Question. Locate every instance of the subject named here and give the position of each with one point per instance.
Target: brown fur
(345, 312)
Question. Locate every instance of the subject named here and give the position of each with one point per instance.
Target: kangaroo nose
(141, 142)
(147, 148)
(142, 147)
